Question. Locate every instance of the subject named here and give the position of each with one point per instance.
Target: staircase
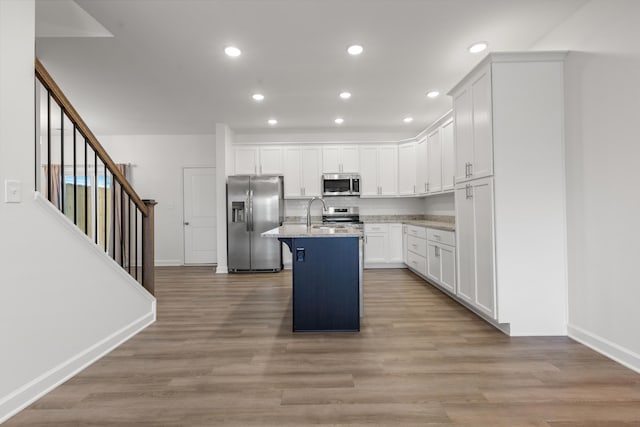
(75, 173)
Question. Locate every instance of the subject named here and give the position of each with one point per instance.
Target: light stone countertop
(445, 223)
(316, 230)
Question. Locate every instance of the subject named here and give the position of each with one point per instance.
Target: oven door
(336, 185)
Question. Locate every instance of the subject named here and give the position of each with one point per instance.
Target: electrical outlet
(12, 191)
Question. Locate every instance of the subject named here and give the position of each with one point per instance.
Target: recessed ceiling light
(407, 119)
(345, 95)
(355, 49)
(232, 51)
(433, 94)
(272, 122)
(478, 47)
(339, 120)
(257, 96)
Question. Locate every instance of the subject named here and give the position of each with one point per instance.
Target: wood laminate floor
(222, 353)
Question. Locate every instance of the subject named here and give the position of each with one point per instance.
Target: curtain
(120, 246)
(56, 184)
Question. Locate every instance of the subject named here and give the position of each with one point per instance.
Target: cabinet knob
(186, 223)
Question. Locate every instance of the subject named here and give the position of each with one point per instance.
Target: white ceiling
(164, 70)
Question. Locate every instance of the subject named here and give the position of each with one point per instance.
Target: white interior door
(200, 216)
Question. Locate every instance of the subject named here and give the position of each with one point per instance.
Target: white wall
(602, 153)
(63, 304)
(156, 173)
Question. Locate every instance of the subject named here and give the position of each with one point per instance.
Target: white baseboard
(374, 265)
(603, 346)
(222, 269)
(168, 262)
(30, 392)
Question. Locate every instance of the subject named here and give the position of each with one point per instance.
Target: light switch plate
(12, 191)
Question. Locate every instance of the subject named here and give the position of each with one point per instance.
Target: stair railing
(87, 186)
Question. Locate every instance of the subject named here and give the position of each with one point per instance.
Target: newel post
(148, 255)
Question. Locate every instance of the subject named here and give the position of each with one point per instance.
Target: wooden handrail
(46, 79)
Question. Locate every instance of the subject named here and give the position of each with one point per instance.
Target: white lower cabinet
(432, 254)
(474, 226)
(441, 253)
(417, 249)
(383, 245)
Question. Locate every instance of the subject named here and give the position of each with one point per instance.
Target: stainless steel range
(341, 215)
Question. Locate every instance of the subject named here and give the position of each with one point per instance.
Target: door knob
(186, 223)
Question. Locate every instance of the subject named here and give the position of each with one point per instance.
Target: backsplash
(391, 206)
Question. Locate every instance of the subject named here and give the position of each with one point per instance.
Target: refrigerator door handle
(250, 216)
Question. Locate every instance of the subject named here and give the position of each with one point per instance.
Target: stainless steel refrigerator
(255, 204)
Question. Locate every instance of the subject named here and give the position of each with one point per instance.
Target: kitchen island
(327, 275)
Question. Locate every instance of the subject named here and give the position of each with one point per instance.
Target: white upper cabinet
(369, 171)
(421, 167)
(379, 170)
(340, 159)
(473, 126)
(350, 156)
(271, 161)
(463, 132)
(448, 156)
(434, 156)
(258, 160)
(311, 176)
(388, 170)
(246, 160)
(407, 169)
(302, 172)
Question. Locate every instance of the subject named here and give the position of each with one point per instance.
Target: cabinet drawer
(417, 246)
(414, 230)
(376, 228)
(440, 236)
(417, 262)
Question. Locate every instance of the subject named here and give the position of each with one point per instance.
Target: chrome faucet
(309, 209)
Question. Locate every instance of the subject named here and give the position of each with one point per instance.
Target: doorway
(199, 215)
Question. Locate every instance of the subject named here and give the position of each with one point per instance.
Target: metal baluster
(86, 188)
(105, 208)
(49, 145)
(95, 195)
(136, 239)
(75, 180)
(113, 216)
(62, 185)
(121, 227)
(129, 233)
(142, 237)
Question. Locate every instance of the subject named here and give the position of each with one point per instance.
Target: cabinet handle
(414, 189)
(437, 252)
(469, 191)
(255, 169)
(436, 236)
(470, 169)
(425, 187)
(260, 169)
(415, 246)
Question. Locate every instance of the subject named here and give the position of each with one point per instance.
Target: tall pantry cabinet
(509, 192)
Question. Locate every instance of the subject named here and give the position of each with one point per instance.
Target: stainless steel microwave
(340, 184)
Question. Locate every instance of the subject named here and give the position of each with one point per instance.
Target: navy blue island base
(326, 281)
